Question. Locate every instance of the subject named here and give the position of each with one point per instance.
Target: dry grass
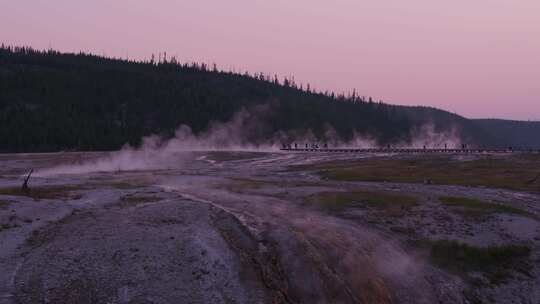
(497, 262)
(134, 200)
(243, 185)
(106, 182)
(475, 207)
(389, 204)
(232, 155)
(44, 192)
(7, 226)
(4, 204)
(512, 172)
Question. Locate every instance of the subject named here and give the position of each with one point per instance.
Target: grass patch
(510, 172)
(476, 206)
(335, 202)
(48, 192)
(530, 157)
(116, 184)
(130, 200)
(120, 185)
(403, 230)
(496, 262)
(222, 156)
(7, 226)
(4, 204)
(242, 185)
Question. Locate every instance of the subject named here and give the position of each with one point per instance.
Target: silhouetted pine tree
(53, 101)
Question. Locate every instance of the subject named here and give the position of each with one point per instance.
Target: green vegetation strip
(511, 172)
(4, 205)
(340, 201)
(49, 192)
(495, 261)
(130, 201)
(241, 185)
(479, 206)
(232, 156)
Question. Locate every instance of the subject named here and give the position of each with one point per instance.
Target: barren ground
(246, 227)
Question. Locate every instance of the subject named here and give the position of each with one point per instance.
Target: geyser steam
(242, 133)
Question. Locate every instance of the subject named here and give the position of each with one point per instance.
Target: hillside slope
(53, 101)
(520, 134)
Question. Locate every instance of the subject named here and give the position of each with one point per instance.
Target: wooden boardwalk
(399, 150)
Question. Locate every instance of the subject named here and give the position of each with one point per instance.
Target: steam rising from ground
(242, 133)
(375, 267)
(428, 136)
(159, 153)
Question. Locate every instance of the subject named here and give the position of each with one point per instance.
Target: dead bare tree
(25, 187)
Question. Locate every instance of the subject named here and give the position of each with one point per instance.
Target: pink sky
(478, 58)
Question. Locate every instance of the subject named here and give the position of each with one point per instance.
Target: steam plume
(242, 133)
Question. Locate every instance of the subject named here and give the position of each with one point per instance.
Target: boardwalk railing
(399, 150)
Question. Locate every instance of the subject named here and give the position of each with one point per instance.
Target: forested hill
(52, 101)
(523, 134)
